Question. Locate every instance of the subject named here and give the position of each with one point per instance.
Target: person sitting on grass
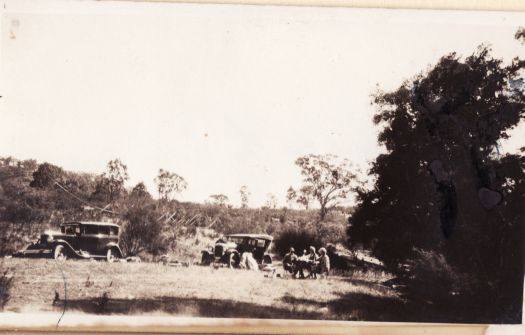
(289, 262)
(322, 265)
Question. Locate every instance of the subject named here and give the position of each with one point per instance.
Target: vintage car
(79, 239)
(229, 248)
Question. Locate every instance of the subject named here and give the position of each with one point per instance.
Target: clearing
(149, 288)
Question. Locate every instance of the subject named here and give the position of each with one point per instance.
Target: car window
(103, 230)
(69, 229)
(261, 243)
(113, 231)
(235, 239)
(90, 230)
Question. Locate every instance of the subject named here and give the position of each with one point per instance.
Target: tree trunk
(322, 212)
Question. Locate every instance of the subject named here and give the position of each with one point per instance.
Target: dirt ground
(148, 288)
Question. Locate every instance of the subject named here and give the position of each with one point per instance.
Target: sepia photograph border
(125, 324)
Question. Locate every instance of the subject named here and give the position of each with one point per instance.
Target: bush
(430, 269)
(300, 239)
(332, 232)
(142, 231)
(6, 284)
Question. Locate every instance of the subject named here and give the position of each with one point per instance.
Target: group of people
(314, 263)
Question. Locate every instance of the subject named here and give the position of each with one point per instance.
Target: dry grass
(138, 288)
(187, 249)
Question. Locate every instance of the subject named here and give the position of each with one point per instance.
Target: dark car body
(229, 248)
(78, 239)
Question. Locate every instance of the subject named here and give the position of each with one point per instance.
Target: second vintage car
(78, 239)
(229, 248)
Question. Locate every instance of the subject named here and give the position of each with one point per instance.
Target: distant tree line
(45, 194)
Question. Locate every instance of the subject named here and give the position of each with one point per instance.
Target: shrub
(298, 238)
(332, 232)
(430, 269)
(142, 231)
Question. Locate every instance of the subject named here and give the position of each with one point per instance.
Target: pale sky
(223, 95)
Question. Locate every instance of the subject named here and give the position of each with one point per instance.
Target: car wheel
(206, 259)
(111, 256)
(60, 253)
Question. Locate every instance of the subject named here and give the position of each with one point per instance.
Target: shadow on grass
(187, 306)
(356, 306)
(365, 307)
(349, 306)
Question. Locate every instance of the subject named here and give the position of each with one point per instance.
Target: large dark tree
(443, 184)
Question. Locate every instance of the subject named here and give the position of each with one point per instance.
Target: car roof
(93, 223)
(261, 236)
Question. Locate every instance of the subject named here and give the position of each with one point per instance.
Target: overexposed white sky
(223, 95)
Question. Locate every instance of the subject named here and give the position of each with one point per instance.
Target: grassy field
(150, 288)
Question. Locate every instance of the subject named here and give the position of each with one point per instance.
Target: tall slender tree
(245, 196)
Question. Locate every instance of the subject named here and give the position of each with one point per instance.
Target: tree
(245, 196)
(271, 201)
(169, 184)
(140, 191)
(219, 199)
(328, 179)
(291, 196)
(304, 197)
(441, 185)
(520, 35)
(111, 183)
(46, 176)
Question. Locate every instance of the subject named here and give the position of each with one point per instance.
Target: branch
(83, 201)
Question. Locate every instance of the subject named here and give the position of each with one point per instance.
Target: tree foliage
(111, 182)
(46, 176)
(169, 184)
(219, 199)
(245, 196)
(140, 191)
(304, 197)
(327, 179)
(271, 201)
(291, 196)
(299, 239)
(441, 185)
